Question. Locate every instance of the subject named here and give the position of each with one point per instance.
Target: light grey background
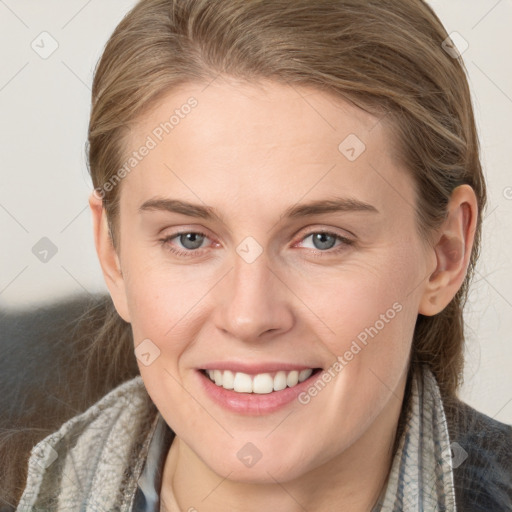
(44, 184)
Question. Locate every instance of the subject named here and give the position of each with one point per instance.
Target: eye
(190, 241)
(324, 240)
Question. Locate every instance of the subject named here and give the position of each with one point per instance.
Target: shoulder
(482, 458)
(95, 456)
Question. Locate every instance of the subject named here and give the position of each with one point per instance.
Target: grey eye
(323, 240)
(191, 240)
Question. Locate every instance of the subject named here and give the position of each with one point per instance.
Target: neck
(351, 481)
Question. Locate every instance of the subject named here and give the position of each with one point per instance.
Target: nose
(253, 303)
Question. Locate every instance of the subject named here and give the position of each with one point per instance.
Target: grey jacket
(93, 462)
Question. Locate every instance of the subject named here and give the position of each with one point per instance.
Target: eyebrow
(338, 204)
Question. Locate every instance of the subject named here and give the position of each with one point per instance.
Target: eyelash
(165, 242)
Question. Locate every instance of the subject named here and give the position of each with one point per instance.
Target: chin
(246, 467)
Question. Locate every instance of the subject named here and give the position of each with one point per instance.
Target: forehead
(263, 109)
(263, 142)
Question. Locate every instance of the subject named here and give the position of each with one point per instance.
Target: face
(300, 252)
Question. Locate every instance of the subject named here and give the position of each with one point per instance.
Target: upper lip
(255, 368)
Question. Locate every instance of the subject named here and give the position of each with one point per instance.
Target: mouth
(260, 383)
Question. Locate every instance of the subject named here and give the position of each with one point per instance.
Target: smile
(261, 383)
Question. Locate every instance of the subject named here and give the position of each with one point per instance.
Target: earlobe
(452, 252)
(108, 257)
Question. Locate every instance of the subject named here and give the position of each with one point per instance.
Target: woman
(287, 212)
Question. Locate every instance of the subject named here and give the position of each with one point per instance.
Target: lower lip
(254, 404)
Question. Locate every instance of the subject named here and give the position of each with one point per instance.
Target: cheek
(367, 324)
(163, 300)
(158, 308)
(367, 312)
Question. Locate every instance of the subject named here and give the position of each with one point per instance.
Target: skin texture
(251, 152)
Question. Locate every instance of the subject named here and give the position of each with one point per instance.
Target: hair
(383, 56)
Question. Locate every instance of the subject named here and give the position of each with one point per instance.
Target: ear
(453, 245)
(108, 257)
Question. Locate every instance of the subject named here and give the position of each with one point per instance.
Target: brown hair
(384, 56)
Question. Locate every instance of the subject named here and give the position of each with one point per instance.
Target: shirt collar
(150, 481)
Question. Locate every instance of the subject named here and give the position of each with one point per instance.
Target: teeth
(262, 383)
(228, 380)
(305, 374)
(242, 383)
(280, 381)
(292, 379)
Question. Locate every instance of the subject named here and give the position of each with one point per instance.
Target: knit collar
(421, 476)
